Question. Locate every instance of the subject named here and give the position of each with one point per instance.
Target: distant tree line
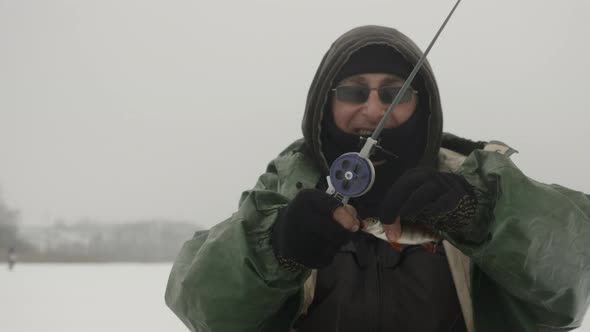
(9, 229)
(144, 241)
(92, 241)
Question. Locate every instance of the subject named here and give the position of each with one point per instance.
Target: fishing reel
(351, 175)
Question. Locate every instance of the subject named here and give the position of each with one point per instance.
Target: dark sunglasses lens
(388, 93)
(352, 94)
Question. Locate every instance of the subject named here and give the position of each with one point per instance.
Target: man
(513, 255)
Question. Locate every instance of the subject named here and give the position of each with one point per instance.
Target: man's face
(362, 117)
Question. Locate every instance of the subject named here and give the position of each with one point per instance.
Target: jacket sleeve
(530, 247)
(227, 278)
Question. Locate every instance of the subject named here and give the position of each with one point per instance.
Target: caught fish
(410, 235)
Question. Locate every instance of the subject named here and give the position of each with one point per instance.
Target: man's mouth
(364, 132)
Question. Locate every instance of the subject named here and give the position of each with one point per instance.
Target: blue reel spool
(352, 175)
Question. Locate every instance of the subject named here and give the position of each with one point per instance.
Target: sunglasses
(358, 94)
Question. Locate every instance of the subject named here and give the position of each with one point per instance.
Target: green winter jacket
(525, 267)
(530, 273)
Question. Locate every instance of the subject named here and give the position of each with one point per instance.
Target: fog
(123, 110)
(128, 110)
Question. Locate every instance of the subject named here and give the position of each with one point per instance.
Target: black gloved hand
(307, 233)
(436, 201)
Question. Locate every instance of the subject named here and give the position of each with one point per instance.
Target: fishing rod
(353, 174)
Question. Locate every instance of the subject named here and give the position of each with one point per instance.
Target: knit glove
(436, 201)
(306, 233)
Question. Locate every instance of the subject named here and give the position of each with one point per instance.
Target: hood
(330, 66)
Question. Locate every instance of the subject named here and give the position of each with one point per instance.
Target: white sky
(124, 110)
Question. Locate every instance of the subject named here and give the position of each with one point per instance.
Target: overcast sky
(125, 110)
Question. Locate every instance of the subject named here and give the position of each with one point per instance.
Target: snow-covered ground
(85, 298)
(89, 298)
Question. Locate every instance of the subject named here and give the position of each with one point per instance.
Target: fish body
(410, 235)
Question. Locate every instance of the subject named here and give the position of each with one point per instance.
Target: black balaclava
(407, 141)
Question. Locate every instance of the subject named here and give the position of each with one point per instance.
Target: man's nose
(375, 109)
